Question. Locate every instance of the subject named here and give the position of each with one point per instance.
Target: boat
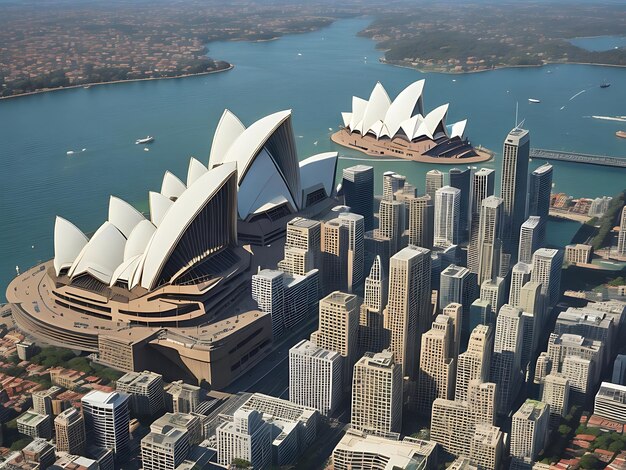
(87, 87)
(621, 134)
(146, 140)
(534, 100)
(605, 85)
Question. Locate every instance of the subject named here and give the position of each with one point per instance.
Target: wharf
(575, 157)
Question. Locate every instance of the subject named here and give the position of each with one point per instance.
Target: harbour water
(600, 43)
(315, 75)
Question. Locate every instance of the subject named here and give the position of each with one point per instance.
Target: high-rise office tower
(531, 301)
(70, 432)
(246, 437)
(455, 312)
(302, 246)
(181, 397)
(334, 256)
(315, 377)
(42, 400)
(529, 433)
(392, 183)
(474, 363)
(377, 394)
(483, 182)
(462, 180)
(539, 188)
(514, 186)
(339, 328)
(507, 355)
(268, 291)
(487, 445)
(436, 374)
(555, 392)
(520, 275)
(408, 311)
(106, 421)
(356, 250)
(453, 286)
(145, 390)
(547, 264)
(494, 293)
(621, 237)
(580, 373)
(619, 370)
(391, 216)
(530, 238)
(165, 450)
(480, 314)
(447, 210)
(358, 192)
(421, 219)
(482, 399)
(434, 181)
(372, 335)
(489, 243)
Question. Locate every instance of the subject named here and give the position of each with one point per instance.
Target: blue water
(599, 43)
(40, 180)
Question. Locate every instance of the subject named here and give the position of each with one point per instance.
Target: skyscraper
(377, 394)
(513, 190)
(474, 363)
(447, 215)
(453, 286)
(539, 188)
(165, 450)
(268, 291)
(421, 219)
(315, 377)
(455, 312)
(547, 264)
(408, 311)
(520, 275)
(391, 215)
(358, 192)
(462, 180)
(555, 392)
(70, 431)
(494, 293)
(490, 238)
(437, 366)
(106, 421)
(621, 237)
(247, 437)
(145, 390)
(181, 397)
(434, 181)
(302, 246)
(530, 238)
(483, 182)
(335, 242)
(529, 433)
(392, 182)
(531, 301)
(372, 335)
(356, 250)
(507, 355)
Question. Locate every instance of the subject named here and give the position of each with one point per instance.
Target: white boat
(534, 100)
(146, 140)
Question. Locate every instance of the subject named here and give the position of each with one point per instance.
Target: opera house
(401, 128)
(164, 290)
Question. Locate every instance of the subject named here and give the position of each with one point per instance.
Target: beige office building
(490, 238)
(578, 253)
(436, 373)
(555, 393)
(377, 394)
(486, 447)
(372, 335)
(409, 311)
(434, 181)
(529, 432)
(70, 432)
(474, 363)
(302, 246)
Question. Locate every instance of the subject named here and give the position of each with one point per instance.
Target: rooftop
(531, 410)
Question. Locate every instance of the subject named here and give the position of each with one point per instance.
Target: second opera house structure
(164, 290)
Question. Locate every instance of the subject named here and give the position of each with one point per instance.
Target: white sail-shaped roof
(126, 270)
(124, 216)
(376, 128)
(138, 239)
(320, 168)
(358, 110)
(68, 243)
(407, 104)
(228, 130)
(377, 107)
(422, 131)
(411, 125)
(102, 255)
(252, 140)
(159, 205)
(172, 186)
(195, 171)
(346, 117)
(181, 215)
(436, 119)
(458, 129)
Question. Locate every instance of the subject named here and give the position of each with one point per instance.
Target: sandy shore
(582, 218)
(398, 148)
(48, 90)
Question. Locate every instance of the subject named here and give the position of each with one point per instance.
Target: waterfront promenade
(601, 160)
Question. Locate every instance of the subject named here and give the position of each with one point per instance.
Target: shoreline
(49, 90)
(501, 67)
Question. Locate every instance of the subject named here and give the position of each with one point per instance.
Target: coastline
(49, 90)
(500, 67)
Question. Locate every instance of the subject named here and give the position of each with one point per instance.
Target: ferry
(534, 100)
(621, 134)
(146, 140)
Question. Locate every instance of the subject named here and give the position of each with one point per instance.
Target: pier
(575, 157)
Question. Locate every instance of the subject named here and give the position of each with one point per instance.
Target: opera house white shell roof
(403, 117)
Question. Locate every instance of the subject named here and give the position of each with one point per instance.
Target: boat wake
(610, 118)
(577, 94)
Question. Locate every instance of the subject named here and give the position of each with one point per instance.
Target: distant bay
(600, 43)
(315, 74)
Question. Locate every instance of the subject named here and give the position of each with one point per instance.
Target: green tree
(564, 429)
(241, 464)
(617, 446)
(590, 461)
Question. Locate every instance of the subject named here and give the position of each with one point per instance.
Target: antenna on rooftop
(516, 112)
